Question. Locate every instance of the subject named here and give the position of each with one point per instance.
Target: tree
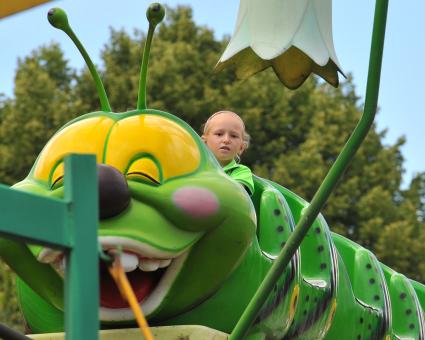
(9, 311)
(41, 104)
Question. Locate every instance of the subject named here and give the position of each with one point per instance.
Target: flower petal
(246, 63)
(324, 13)
(309, 40)
(292, 36)
(273, 24)
(240, 38)
(293, 67)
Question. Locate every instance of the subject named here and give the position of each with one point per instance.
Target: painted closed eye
(145, 170)
(136, 175)
(56, 176)
(57, 183)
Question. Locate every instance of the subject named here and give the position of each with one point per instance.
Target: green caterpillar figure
(196, 246)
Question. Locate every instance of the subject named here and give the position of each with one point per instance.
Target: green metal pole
(331, 179)
(82, 267)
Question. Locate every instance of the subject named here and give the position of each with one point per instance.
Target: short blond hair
(245, 136)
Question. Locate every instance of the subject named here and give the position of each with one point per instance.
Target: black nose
(114, 196)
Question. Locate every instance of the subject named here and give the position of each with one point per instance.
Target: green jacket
(241, 174)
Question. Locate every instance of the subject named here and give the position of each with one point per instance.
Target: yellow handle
(118, 274)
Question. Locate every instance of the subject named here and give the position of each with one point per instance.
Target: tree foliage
(296, 135)
(9, 313)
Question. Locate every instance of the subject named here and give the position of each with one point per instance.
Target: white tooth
(129, 262)
(60, 267)
(164, 263)
(48, 255)
(62, 264)
(149, 265)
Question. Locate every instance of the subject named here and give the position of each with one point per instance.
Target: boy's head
(224, 133)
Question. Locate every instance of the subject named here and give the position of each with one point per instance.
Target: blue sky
(402, 83)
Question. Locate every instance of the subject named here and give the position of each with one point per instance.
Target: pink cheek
(196, 202)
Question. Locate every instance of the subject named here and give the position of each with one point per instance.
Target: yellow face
(137, 146)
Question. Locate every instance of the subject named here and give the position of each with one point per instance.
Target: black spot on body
(320, 249)
(372, 281)
(294, 304)
(408, 311)
(280, 229)
(276, 212)
(323, 266)
(402, 296)
(368, 266)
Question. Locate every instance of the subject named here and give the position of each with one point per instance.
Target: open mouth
(150, 272)
(142, 273)
(225, 148)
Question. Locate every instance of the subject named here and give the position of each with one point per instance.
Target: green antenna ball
(58, 18)
(155, 13)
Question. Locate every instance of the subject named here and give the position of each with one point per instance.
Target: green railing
(71, 225)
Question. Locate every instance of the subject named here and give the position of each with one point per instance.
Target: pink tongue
(142, 283)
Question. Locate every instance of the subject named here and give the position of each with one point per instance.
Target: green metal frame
(331, 179)
(70, 224)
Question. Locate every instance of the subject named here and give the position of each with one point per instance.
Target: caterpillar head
(182, 224)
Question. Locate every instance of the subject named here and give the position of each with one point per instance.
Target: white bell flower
(294, 37)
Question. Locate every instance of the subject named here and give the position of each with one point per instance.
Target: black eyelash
(56, 181)
(143, 174)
